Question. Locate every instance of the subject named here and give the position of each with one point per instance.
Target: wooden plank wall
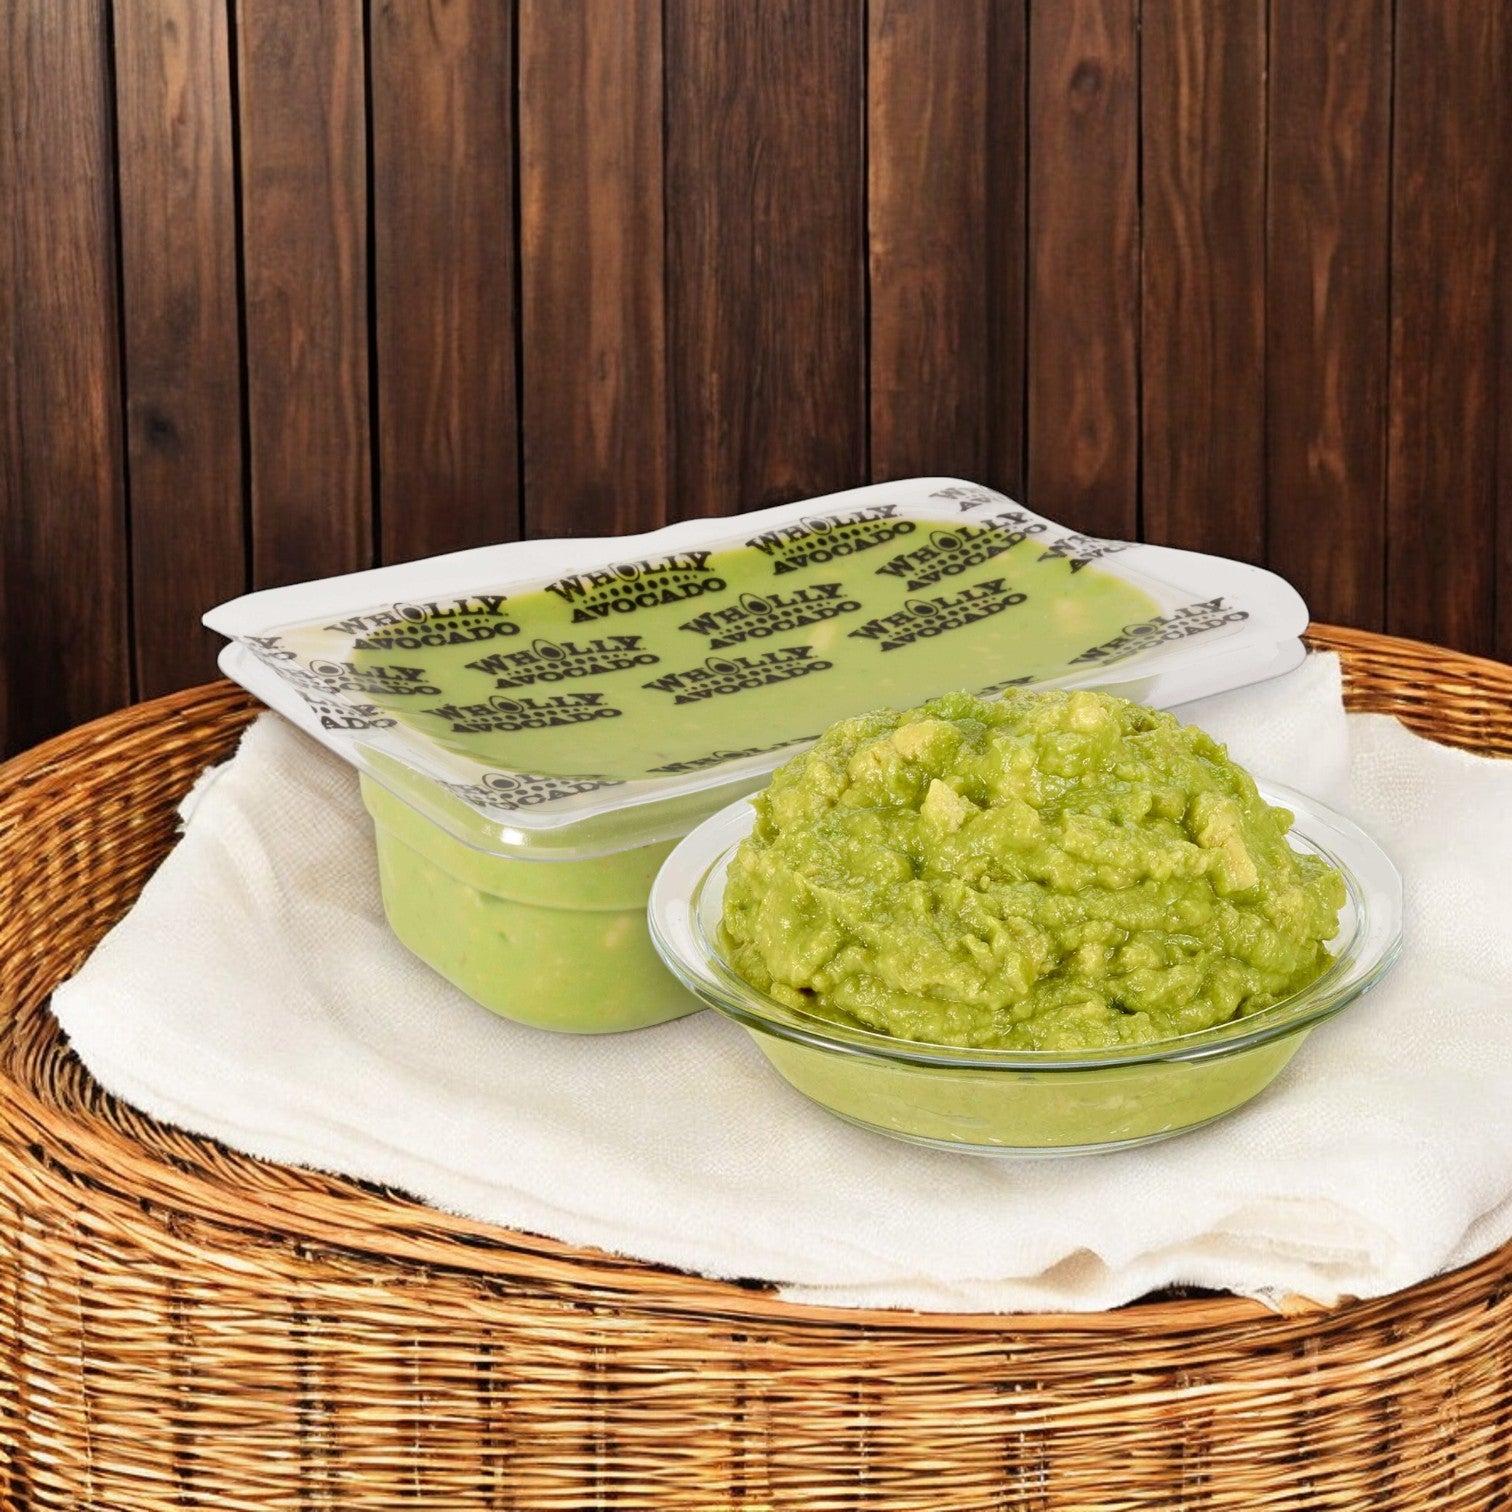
(290, 288)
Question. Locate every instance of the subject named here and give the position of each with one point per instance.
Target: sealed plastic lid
(569, 698)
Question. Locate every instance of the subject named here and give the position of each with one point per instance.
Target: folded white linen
(255, 994)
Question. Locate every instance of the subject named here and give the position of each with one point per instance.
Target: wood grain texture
(444, 269)
(304, 218)
(1202, 306)
(766, 270)
(64, 621)
(634, 260)
(1451, 104)
(946, 83)
(1327, 300)
(178, 279)
(931, 348)
(1083, 440)
(1007, 241)
(593, 266)
(1500, 526)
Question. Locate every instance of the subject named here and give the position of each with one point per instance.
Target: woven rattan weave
(187, 1327)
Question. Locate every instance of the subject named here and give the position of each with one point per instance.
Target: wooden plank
(1084, 264)
(946, 119)
(63, 593)
(1202, 341)
(927, 217)
(304, 217)
(443, 223)
(1007, 241)
(178, 274)
(1445, 339)
(1502, 526)
(1327, 291)
(765, 232)
(593, 266)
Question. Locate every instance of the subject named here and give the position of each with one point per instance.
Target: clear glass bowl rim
(689, 888)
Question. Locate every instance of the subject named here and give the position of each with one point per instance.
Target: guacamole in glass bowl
(1052, 922)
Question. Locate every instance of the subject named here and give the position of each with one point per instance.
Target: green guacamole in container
(604, 679)
(536, 723)
(1055, 924)
(1047, 871)
(667, 666)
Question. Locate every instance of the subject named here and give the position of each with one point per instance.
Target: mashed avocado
(1048, 871)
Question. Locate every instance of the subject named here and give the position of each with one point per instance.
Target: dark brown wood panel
(444, 272)
(63, 594)
(1451, 117)
(1501, 524)
(927, 124)
(178, 279)
(1007, 240)
(1202, 307)
(1499, 527)
(1327, 302)
(946, 113)
(576, 266)
(304, 216)
(765, 249)
(593, 270)
(1083, 441)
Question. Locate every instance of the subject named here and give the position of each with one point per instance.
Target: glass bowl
(1029, 1102)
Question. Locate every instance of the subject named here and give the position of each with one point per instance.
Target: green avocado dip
(1046, 871)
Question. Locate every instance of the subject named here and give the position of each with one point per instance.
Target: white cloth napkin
(255, 994)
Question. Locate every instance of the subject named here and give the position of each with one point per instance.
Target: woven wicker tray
(187, 1327)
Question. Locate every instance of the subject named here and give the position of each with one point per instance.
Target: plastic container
(1000, 1102)
(535, 722)
(559, 945)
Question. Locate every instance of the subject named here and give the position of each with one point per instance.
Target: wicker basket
(188, 1327)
